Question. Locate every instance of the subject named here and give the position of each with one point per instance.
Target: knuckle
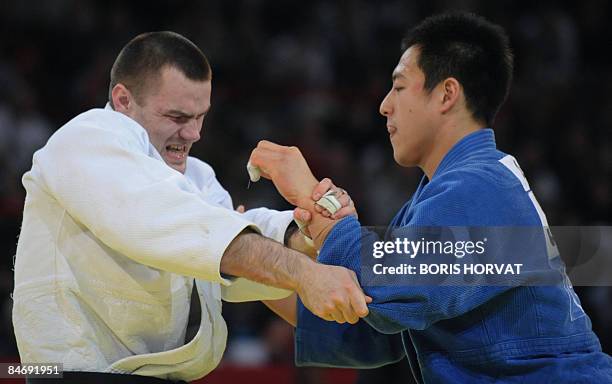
(293, 150)
(327, 308)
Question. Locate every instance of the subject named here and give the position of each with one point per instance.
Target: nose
(385, 106)
(191, 131)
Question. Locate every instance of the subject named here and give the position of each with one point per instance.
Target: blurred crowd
(312, 74)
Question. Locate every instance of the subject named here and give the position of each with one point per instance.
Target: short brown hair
(146, 54)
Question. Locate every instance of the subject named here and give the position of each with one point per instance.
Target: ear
(122, 98)
(451, 92)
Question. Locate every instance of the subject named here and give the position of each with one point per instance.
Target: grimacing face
(172, 113)
(411, 116)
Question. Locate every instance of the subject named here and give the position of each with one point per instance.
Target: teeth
(178, 148)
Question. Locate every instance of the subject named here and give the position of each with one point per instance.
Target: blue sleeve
(395, 307)
(459, 200)
(329, 344)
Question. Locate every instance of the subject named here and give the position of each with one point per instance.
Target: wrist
(303, 269)
(307, 203)
(305, 200)
(298, 243)
(319, 228)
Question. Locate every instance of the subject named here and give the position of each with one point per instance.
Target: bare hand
(333, 293)
(288, 170)
(348, 207)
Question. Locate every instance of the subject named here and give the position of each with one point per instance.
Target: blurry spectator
(312, 75)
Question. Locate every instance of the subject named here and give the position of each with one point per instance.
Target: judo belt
(100, 378)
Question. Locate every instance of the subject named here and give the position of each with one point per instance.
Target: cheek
(414, 112)
(406, 103)
(163, 131)
(157, 138)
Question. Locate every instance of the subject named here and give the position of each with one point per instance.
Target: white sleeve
(272, 223)
(136, 205)
(203, 176)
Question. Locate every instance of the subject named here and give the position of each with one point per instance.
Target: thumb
(302, 215)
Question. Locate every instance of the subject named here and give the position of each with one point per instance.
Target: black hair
(146, 54)
(471, 49)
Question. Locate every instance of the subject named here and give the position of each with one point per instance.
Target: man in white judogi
(119, 220)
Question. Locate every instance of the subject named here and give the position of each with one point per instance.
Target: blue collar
(471, 145)
(474, 145)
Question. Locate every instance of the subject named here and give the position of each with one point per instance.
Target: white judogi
(111, 240)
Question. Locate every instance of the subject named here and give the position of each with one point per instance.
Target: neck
(449, 135)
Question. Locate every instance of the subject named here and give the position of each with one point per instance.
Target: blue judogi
(454, 334)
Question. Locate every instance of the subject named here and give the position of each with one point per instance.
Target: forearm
(285, 308)
(265, 261)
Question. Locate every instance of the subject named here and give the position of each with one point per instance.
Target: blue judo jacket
(460, 334)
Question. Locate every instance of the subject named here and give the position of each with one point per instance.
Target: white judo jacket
(111, 241)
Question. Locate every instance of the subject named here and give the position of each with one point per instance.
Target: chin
(404, 161)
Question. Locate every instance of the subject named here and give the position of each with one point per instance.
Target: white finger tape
(330, 202)
(254, 172)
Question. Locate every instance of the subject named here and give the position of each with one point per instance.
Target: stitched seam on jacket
(523, 347)
(533, 294)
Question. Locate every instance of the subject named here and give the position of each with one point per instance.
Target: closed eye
(179, 119)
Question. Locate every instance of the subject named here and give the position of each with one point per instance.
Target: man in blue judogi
(453, 76)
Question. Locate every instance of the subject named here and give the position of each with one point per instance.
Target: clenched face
(172, 113)
(411, 116)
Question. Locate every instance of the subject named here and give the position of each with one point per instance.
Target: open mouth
(176, 152)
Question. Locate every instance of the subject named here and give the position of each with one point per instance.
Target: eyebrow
(179, 113)
(395, 75)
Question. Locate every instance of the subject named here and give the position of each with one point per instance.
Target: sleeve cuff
(342, 243)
